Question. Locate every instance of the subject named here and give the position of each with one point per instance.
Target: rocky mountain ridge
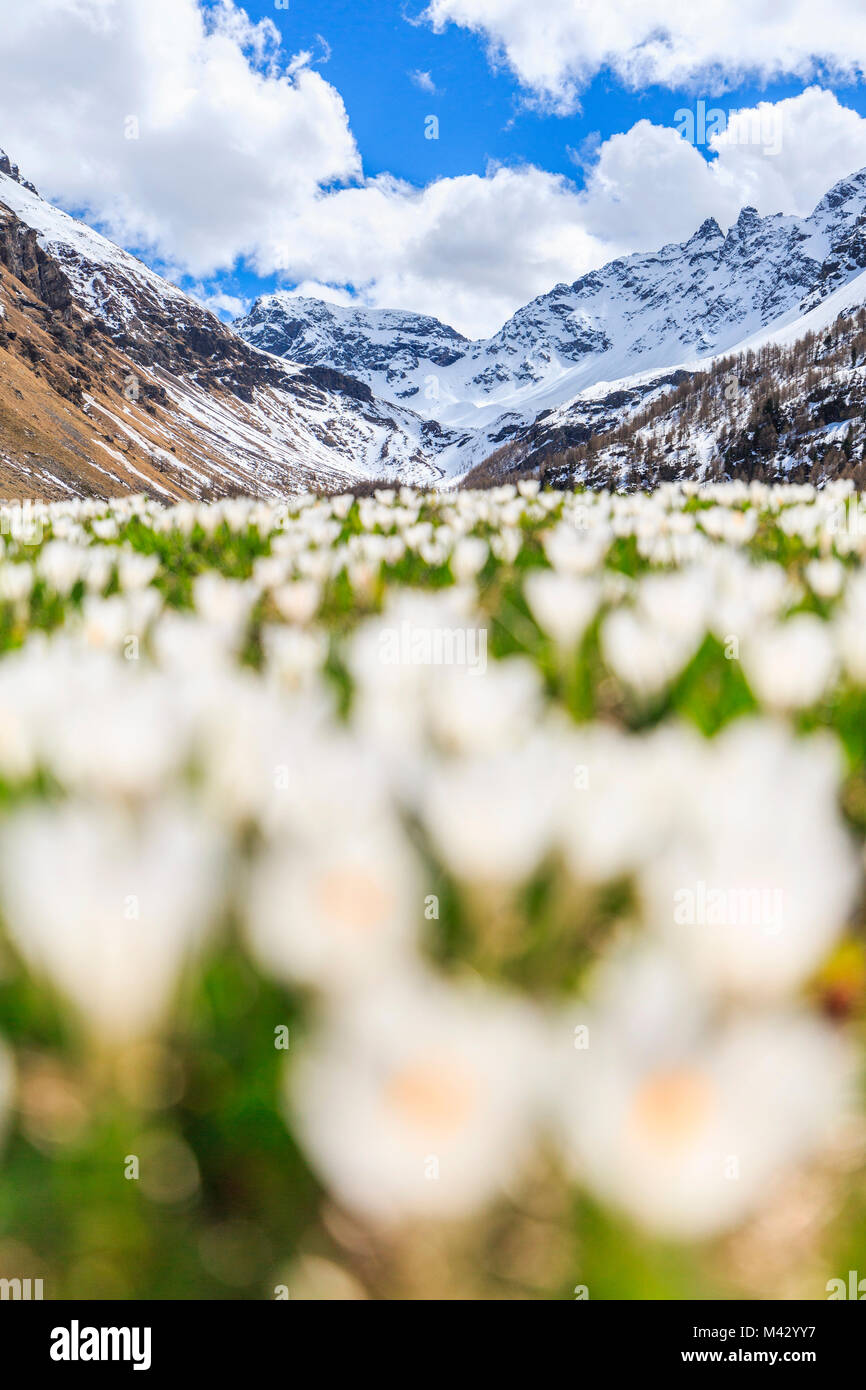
(673, 309)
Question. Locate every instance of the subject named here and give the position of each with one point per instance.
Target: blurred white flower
(420, 1099)
(187, 646)
(225, 603)
(826, 577)
(339, 907)
(849, 626)
(645, 657)
(97, 567)
(505, 545)
(790, 665)
(111, 622)
(575, 550)
(563, 605)
(298, 602)
(492, 818)
(624, 796)
(471, 711)
(756, 885)
(648, 646)
(121, 730)
(747, 594)
(16, 582)
(390, 686)
(135, 571)
(60, 564)
(468, 557)
(110, 908)
(682, 1120)
(725, 524)
(294, 657)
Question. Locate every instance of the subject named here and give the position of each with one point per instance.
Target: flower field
(422, 896)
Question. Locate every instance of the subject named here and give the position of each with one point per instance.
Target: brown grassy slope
(167, 403)
(58, 372)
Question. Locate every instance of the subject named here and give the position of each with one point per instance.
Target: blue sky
(483, 112)
(370, 52)
(250, 169)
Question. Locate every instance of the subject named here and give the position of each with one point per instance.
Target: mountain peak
(853, 186)
(709, 230)
(13, 172)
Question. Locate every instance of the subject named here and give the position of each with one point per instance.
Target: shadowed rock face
(22, 256)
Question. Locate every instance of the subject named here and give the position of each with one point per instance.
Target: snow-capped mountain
(673, 308)
(378, 345)
(794, 409)
(111, 376)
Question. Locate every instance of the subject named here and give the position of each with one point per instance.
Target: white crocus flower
(336, 908)
(294, 657)
(396, 658)
(251, 746)
(185, 645)
(826, 577)
(563, 605)
(747, 594)
(109, 908)
(645, 657)
(419, 1099)
(122, 733)
(849, 626)
(756, 885)
(117, 623)
(505, 545)
(16, 582)
(682, 1120)
(22, 696)
(622, 803)
(60, 564)
(474, 711)
(491, 819)
(97, 567)
(468, 558)
(225, 603)
(733, 527)
(648, 646)
(135, 571)
(791, 665)
(574, 550)
(298, 602)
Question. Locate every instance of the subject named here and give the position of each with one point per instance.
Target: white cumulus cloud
(178, 130)
(555, 47)
(244, 155)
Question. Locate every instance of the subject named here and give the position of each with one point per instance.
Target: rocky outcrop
(22, 256)
(13, 172)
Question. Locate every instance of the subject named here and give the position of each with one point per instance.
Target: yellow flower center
(353, 900)
(671, 1108)
(432, 1096)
